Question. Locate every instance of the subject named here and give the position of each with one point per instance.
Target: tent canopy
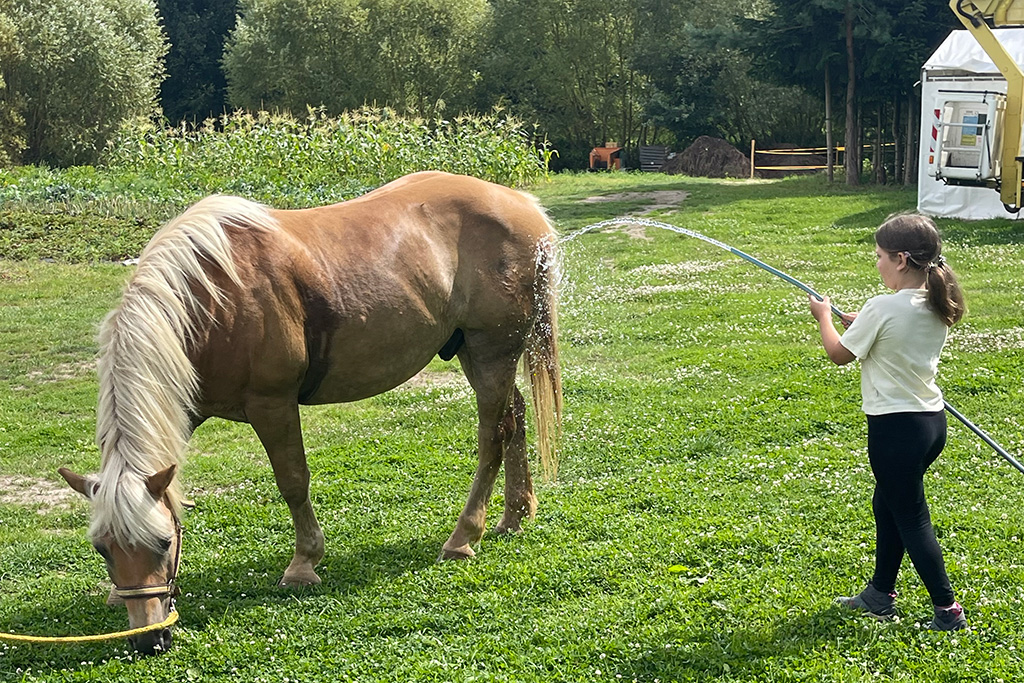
(961, 52)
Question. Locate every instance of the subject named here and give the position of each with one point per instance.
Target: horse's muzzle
(152, 643)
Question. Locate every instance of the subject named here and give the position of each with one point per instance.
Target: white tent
(959, 64)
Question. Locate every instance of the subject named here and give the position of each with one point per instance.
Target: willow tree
(82, 68)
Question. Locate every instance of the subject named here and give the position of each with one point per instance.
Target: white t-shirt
(898, 339)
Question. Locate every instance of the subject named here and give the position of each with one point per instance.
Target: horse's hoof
(512, 527)
(299, 580)
(463, 553)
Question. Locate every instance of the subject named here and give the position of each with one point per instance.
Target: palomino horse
(244, 312)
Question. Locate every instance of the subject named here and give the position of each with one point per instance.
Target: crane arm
(980, 17)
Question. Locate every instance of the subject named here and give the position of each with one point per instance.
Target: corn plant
(288, 161)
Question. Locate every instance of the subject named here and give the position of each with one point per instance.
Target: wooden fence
(803, 151)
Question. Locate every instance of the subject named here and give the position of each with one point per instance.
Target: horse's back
(352, 299)
(431, 203)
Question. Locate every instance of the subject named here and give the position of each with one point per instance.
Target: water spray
(791, 280)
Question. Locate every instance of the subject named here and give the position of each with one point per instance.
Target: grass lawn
(713, 496)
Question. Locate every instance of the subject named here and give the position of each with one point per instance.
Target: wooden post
(829, 143)
(751, 159)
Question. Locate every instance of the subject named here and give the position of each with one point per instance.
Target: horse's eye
(102, 550)
(165, 545)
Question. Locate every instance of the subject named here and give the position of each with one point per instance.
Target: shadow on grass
(982, 233)
(344, 571)
(739, 653)
(706, 194)
(207, 595)
(973, 233)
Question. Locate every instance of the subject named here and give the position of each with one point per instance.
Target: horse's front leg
(276, 422)
(520, 501)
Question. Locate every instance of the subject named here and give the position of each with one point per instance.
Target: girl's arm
(822, 312)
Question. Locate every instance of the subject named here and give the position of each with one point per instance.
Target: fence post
(751, 159)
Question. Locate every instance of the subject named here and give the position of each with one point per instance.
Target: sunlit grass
(714, 492)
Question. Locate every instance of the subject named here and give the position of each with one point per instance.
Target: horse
(244, 312)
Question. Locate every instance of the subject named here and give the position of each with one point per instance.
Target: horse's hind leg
(493, 383)
(277, 424)
(520, 500)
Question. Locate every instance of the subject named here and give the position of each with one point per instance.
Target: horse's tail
(148, 386)
(542, 358)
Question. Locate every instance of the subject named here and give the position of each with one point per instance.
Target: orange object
(607, 157)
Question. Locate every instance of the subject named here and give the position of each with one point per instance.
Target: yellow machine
(979, 141)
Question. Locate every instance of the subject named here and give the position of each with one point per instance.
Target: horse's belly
(354, 371)
(347, 387)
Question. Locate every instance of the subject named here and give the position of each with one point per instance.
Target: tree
(871, 49)
(424, 53)
(899, 37)
(85, 66)
(413, 55)
(12, 140)
(195, 87)
(632, 71)
(703, 81)
(568, 64)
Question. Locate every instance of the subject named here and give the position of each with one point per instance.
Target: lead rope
(128, 593)
(17, 638)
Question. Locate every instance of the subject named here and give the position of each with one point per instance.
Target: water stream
(647, 222)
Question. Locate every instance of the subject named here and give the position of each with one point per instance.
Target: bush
(151, 173)
(85, 66)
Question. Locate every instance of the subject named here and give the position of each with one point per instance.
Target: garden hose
(793, 281)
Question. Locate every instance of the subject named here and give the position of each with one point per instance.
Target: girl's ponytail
(944, 293)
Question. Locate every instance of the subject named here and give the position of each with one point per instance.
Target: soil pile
(710, 157)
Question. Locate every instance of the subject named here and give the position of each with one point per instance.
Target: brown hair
(917, 236)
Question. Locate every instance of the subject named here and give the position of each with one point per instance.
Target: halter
(157, 590)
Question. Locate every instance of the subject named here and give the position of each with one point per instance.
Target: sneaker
(949, 619)
(873, 602)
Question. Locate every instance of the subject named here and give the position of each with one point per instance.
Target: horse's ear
(79, 483)
(158, 483)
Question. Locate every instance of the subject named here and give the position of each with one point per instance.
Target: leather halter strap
(157, 590)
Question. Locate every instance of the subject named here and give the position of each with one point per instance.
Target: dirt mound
(710, 157)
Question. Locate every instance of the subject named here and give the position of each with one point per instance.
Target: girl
(898, 338)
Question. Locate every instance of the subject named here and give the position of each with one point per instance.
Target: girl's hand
(820, 308)
(822, 312)
(847, 319)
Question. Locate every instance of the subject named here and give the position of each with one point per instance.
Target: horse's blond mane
(148, 386)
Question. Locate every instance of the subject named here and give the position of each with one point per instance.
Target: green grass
(714, 493)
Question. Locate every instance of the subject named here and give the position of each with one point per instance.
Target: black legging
(901, 446)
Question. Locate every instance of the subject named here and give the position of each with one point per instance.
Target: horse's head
(143, 573)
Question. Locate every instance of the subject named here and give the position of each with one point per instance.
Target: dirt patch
(432, 380)
(660, 199)
(42, 494)
(63, 372)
